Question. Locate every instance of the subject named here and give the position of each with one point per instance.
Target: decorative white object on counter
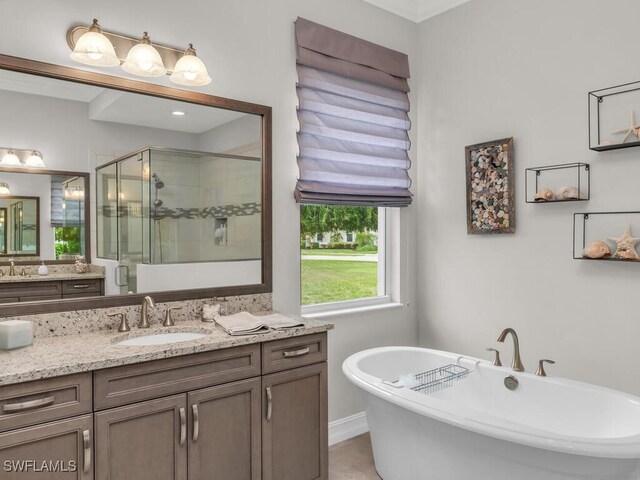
(15, 334)
(42, 269)
(81, 264)
(210, 311)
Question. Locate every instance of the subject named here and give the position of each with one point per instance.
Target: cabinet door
(54, 451)
(145, 441)
(224, 439)
(294, 425)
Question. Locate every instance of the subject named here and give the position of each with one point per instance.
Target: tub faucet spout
(516, 365)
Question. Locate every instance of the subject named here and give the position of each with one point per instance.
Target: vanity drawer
(30, 289)
(144, 381)
(92, 285)
(40, 401)
(294, 352)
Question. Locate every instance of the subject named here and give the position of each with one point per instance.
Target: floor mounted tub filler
(459, 421)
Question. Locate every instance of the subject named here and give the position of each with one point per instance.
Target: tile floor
(352, 460)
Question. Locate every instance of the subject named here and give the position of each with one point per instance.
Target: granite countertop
(64, 355)
(51, 277)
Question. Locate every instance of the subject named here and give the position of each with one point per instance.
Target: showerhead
(157, 182)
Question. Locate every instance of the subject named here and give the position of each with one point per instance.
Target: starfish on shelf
(632, 129)
(626, 246)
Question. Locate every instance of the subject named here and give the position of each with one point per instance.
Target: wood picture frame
(490, 181)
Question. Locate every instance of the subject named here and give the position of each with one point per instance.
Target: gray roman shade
(352, 111)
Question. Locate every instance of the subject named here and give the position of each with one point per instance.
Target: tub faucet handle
(496, 362)
(540, 372)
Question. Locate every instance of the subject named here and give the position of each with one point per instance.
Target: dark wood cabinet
(60, 450)
(224, 438)
(144, 441)
(294, 426)
(26, 291)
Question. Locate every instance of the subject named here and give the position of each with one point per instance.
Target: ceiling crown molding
(416, 10)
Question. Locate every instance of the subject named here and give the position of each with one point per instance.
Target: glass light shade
(93, 48)
(10, 160)
(34, 161)
(190, 70)
(4, 189)
(144, 60)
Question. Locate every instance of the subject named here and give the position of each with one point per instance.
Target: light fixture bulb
(178, 113)
(4, 189)
(144, 60)
(94, 48)
(190, 70)
(34, 160)
(10, 160)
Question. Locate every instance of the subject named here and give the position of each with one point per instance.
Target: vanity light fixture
(34, 160)
(144, 60)
(12, 157)
(190, 70)
(93, 46)
(4, 189)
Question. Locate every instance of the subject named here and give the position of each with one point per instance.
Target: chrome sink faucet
(516, 365)
(144, 308)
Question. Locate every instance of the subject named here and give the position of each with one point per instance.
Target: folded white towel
(244, 323)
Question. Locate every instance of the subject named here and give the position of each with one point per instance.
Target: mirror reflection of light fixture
(144, 60)
(190, 70)
(10, 159)
(4, 189)
(73, 192)
(34, 160)
(94, 48)
(138, 57)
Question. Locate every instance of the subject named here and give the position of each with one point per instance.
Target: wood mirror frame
(33, 67)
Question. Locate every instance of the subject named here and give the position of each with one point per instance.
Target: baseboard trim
(348, 427)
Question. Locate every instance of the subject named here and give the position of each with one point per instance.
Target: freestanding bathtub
(476, 429)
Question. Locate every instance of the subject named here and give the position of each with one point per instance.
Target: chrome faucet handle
(168, 319)
(496, 362)
(124, 324)
(540, 372)
(23, 272)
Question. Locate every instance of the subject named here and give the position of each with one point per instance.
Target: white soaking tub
(476, 429)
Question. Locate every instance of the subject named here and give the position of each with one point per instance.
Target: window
(319, 237)
(342, 271)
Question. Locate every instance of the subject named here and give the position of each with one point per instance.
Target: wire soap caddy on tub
(434, 380)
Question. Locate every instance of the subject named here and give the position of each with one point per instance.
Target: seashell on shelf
(543, 195)
(597, 249)
(605, 143)
(567, 193)
(626, 245)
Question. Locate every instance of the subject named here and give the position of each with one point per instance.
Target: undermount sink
(161, 339)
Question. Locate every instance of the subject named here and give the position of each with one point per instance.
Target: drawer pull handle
(296, 353)
(86, 438)
(196, 422)
(18, 407)
(183, 426)
(82, 285)
(269, 404)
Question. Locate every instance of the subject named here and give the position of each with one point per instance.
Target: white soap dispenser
(42, 269)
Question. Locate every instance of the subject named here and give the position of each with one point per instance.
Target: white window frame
(384, 277)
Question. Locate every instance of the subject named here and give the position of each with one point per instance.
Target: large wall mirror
(163, 191)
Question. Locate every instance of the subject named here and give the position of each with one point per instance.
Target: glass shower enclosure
(163, 206)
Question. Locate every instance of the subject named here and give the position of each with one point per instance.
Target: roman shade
(353, 114)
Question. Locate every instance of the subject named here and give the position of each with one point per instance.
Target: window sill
(340, 312)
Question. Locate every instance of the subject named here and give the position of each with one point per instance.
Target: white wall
(248, 46)
(498, 68)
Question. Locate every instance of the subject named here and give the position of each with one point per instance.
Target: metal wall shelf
(592, 226)
(609, 103)
(556, 176)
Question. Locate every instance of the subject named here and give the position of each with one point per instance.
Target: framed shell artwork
(490, 187)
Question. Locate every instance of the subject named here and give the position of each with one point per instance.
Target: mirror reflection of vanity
(160, 190)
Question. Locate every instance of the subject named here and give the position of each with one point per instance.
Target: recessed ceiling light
(178, 113)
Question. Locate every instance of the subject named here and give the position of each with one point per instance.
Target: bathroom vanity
(32, 288)
(254, 410)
